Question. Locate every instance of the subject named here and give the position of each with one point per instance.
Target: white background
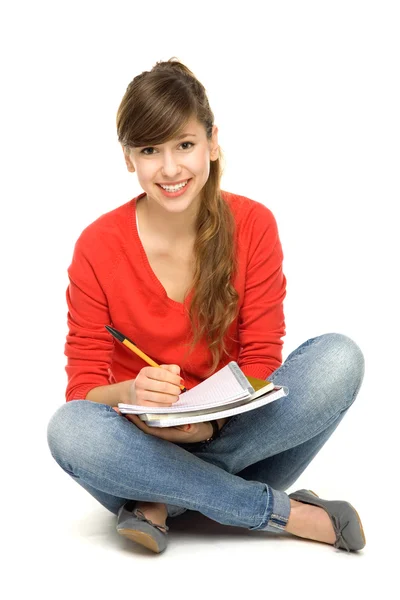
(306, 97)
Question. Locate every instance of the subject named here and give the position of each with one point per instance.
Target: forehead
(193, 130)
(192, 127)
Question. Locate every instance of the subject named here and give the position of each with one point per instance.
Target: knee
(69, 430)
(344, 361)
(61, 430)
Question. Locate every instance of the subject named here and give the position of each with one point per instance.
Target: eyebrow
(180, 137)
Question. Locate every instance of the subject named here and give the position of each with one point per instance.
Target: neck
(172, 227)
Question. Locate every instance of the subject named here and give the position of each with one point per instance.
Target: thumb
(172, 368)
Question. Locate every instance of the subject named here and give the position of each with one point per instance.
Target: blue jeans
(238, 479)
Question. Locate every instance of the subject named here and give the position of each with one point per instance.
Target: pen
(132, 346)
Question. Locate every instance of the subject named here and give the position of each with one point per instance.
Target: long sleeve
(111, 283)
(88, 345)
(261, 319)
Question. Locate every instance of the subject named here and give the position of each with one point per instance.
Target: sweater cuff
(79, 393)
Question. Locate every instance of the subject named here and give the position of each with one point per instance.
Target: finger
(164, 374)
(162, 387)
(157, 393)
(142, 425)
(172, 368)
(170, 434)
(134, 419)
(186, 427)
(153, 399)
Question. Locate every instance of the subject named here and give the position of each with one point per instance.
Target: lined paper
(220, 389)
(227, 411)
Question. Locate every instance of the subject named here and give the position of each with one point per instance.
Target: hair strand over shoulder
(155, 108)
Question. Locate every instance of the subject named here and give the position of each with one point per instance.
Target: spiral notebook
(227, 392)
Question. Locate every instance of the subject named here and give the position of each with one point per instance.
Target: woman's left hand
(183, 434)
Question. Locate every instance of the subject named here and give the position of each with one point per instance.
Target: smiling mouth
(174, 187)
(174, 182)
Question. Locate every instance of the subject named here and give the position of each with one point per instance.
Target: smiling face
(184, 159)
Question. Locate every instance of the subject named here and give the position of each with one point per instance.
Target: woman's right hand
(156, 386)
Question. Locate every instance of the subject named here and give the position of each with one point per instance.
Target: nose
(170, 167)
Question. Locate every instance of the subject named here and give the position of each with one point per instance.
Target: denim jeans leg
(115, 461)
(282, 470)
(275, 443)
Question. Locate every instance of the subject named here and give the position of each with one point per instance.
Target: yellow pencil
(132, 346)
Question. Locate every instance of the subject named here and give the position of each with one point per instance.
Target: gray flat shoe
(344, 517)
(132, 524)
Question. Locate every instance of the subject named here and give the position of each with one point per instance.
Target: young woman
(193, 274)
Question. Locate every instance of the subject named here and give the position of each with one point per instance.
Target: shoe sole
(358, 517)
(140, 537)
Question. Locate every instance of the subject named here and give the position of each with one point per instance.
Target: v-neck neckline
(158, 286)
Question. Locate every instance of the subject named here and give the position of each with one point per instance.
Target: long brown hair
(155, 108)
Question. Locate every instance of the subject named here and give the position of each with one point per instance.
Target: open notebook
(225, 393)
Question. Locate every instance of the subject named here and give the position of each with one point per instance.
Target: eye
(144, 151)
(191, 144)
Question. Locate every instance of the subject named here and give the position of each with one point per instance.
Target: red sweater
(112, 283)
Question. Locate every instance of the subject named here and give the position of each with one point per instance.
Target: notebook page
(221, 388)
(172, 420)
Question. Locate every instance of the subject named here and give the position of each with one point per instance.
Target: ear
(128, 161)
(214, 153)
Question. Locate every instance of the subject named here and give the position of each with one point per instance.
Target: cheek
(145, 173)
(200, 166)
(206, 169)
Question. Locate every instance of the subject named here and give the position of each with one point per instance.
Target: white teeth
(175, 188)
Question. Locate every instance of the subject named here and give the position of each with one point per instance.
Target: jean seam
(265, 520)
(278, 521)
(275, 520)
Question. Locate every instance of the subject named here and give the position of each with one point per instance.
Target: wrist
(215, 430)
(221, 422)
(127, 392)
(111, 394)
